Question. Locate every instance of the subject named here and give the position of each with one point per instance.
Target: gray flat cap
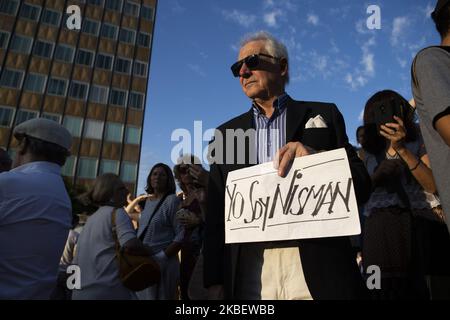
(45, 130)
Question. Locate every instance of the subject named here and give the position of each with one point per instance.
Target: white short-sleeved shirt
(96, 256)
(35, 219)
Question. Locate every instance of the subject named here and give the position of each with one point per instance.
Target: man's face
(263, 81)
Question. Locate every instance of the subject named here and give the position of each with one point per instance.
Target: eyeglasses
(251, 62)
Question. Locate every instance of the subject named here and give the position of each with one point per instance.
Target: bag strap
(114, 232)
(152, 215)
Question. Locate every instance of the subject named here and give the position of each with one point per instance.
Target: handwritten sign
(315, 200)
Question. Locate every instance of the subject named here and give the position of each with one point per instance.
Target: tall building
(93, 81)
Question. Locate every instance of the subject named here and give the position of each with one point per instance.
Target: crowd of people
(400, 176)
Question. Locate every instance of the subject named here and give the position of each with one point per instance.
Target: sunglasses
(251, 62)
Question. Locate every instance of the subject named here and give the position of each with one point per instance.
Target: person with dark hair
(162, 232)
(35, 211)
(5, 161)
(431, 90)
(95, 253)
(403, 204)
(360, 137)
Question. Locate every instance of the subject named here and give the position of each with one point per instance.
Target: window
(24, 115)
(78, 90)
(128, 172)
(133, 135)
(93, 129)
(122, 65)
(21, 44)
(144, 39)
(140, 69)
(34, 83)
(6, 115)
(136, 100)
(131, 9)
(95, 2)
(57, 87)
(127, 36)
(43, 49)
(50, 17)
(98, 94)
(9, 7)
(90, 27)
(73, 124)
(109, 166)
(51, 116)
(69, 166)
(114, 4)
(87, 168)
(109, 31)
(64, 53)
(3, 39)
(114, 132)
(30, 12)
(104, 61)
(118, 97)
(84, 57)
(147, 12)
(11, 78)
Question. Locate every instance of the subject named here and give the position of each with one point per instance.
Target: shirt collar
(38, 166)
(279, 105)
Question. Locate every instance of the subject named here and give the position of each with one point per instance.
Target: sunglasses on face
(251, 62)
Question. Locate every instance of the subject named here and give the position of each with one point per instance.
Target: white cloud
(271, 18)
(361, 75)
(245, 20)
(398, 29)
(197, 69)
(268, 3)
(361, 116)
(428, 10)
(313, 19)
(402, 62)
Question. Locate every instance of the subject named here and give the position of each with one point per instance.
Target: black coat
(329, 264)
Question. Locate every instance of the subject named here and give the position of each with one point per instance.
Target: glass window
(104, 61)
(109, 31)
(87, 168)
(64, 53)
(43, 49)
(57, 87)
(140, 69)
(30, 12)
(3, 39)
(9, 6)
(35, 83)
(78, 90)
(73, 124)
(109, 166)
(114, 4)
(98, 94)
(133, 135)
(147, 12)
(122, 65)
(84, 57)
(50, 17)
(131, 9)
(128, 172)
(114, 132)
(24, 115)
(127, 36)
(6, 115)
(90, 27)
(21, 44)
(118, 97)
(11, 78)
(95, 2)
(136, 100)
(144, 39)
(69, 166)
(51, 116)
(93, 129)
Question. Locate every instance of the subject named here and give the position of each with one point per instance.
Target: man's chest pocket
(318, 138)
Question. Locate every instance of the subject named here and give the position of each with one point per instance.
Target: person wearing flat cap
(35, 211)
(431, 90)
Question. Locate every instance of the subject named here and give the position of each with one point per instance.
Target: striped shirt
(270, 133)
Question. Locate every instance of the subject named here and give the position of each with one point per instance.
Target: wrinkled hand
(188, 218)
(395, 133)
(133, 207)
(199, 175)
(286, 155)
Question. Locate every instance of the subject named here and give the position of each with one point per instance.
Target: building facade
(93, 81)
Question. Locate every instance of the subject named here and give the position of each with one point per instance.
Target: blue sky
(334, 57)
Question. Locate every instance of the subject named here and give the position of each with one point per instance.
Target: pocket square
(316, 122)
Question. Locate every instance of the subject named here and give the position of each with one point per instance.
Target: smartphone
(385, 111)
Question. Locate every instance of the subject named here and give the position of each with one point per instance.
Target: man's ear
(283, 67)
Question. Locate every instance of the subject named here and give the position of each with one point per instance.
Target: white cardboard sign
(315, 200)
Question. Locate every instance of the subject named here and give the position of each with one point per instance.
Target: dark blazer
(329, 264)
